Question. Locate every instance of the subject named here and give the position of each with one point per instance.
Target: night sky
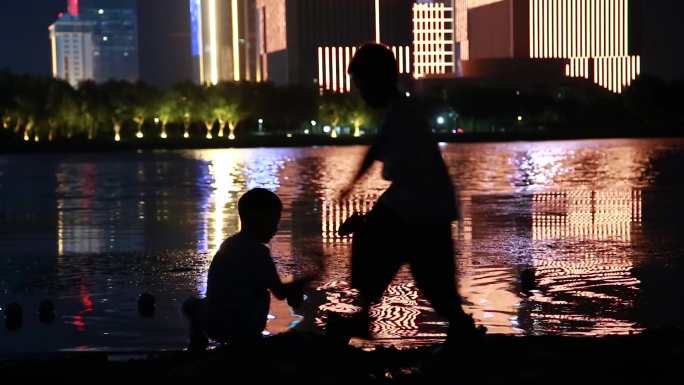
(25, 45)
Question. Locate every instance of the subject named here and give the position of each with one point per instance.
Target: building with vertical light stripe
(592, 37)
(433, 39)
(312, 41)
(224, 40)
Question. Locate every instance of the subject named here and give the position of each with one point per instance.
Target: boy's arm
(286, 290)
(292, 291)
(371, 156)
(279, 289)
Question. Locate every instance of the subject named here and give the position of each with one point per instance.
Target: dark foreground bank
(652, 357)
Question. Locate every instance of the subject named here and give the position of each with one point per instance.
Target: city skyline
(657, 60)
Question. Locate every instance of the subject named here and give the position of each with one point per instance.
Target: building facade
(116, 42)
(223, 34)
(593, 37)
(73, 48)
(312, 41)
(95, 40)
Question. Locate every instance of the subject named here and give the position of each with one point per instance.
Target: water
(593, 223)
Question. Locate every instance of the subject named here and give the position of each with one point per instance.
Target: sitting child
(241, 275)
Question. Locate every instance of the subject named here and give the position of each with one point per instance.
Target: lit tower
(73, 8)
(224, 39)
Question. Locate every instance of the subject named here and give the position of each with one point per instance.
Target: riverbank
(270, 141)
(652, 357)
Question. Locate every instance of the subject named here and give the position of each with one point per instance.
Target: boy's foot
(464, 331)
(198, 343)
(349, 326)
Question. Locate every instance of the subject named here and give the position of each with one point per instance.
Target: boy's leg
(375, 255)
(375, 260)
(195, 310)
(434, 270)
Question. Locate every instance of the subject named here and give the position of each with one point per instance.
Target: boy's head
(375, 73)
(259, 211)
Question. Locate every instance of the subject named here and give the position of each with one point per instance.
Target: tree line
(35, 108)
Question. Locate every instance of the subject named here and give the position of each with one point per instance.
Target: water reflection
(594, 221)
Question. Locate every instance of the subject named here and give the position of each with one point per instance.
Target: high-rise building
(73, 48)
(433, 39)
(223, 40)
(102, 35)
(593, 37)
(164, 46)
(312, 41)
(116, 38)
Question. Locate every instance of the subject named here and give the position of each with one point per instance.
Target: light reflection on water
(585, 217)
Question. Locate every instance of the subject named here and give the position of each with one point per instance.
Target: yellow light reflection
(223, 168)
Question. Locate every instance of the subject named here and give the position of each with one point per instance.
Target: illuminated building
(95, 40)
(115, 37)
(312, 41)
(591, 37)
(433, 39)
(73, 49)
(224, 40)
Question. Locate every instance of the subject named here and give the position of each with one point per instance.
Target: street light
(440, 120)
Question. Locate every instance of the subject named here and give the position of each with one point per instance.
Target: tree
(62, 110)
(31, 102)
(189, 105)
(359, 115)
(168, 109)
(333, 109)
(7, 102)
(205, 110)
(118, 104)
(230, 108)
(143, 105)
(92, 108)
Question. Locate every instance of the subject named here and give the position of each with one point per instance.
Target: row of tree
(37, 108)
